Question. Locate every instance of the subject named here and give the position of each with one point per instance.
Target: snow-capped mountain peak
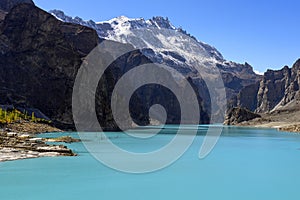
(156, 33)
(163, 43)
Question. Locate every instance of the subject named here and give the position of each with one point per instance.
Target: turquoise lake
(246, 163)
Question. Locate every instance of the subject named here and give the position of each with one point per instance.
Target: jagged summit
(124, 21)
(157, 33)
(135, 23)
(162, 22)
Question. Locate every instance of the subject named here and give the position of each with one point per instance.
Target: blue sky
(264, 33)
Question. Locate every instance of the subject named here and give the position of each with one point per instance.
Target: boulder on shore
(237, 115)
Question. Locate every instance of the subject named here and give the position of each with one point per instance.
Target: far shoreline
(286, 120)
(284, 126)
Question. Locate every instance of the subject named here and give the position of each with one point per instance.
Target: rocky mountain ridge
(118, 26)
(163, 43)
(167, 42)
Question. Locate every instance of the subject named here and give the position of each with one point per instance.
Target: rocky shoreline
(283, 120)
(20, 141)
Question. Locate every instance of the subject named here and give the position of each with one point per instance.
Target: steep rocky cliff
(291, 98)
(278, 89)
(39, 59)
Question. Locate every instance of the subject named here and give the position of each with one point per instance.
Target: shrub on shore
(7, 117)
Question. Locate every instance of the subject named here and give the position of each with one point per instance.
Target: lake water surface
(246, 163)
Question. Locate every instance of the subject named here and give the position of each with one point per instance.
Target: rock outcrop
(238, 115)
(291, 97)
(272, 89)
